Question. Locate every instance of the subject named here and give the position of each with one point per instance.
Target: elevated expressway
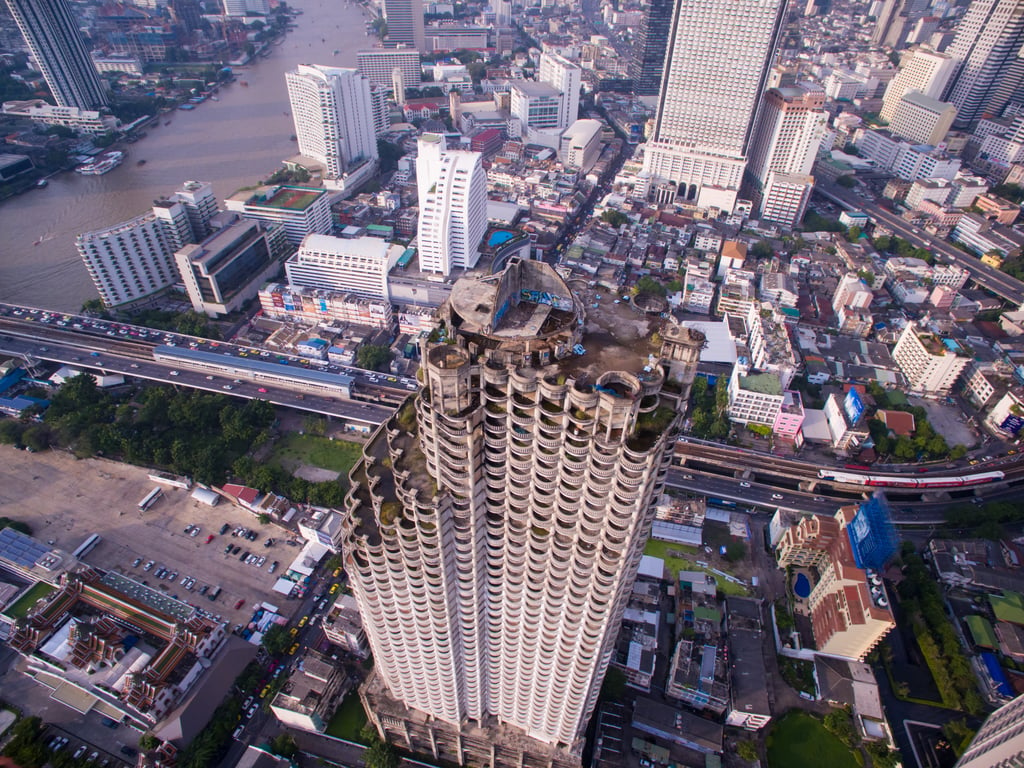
(354, 399)
(758, 479)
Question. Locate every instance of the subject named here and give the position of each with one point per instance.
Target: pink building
(790, 418)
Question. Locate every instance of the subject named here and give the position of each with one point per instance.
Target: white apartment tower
(200, 204)
(496, 524)
(987, 54)
(134, 260)
(333, 114)
(922, 119)
(453, 215)
(560, 73)
(921, 69)
(717, 62)
(354, 265)
(378, 64)
(782, 152)
(931, 367)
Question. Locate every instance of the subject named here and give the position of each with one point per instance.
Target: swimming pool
(802, 586)
(499, 237)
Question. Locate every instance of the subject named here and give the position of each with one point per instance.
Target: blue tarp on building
(996, 673)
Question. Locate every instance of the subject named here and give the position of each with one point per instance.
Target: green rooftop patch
(24, 604)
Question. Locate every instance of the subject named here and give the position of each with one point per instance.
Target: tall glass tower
(496, 524)
(56, 44)
(649, 48)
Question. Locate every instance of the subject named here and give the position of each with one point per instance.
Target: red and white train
(909, 481)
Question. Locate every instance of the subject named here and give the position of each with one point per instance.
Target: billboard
(1012, 424)
(853, 406)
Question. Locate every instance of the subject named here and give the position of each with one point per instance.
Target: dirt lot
(65, 500)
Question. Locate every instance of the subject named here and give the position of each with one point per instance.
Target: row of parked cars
(59, 743)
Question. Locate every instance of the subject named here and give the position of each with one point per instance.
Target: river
(233, 142)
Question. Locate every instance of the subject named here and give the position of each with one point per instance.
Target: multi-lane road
(987, 277)
(115, 348)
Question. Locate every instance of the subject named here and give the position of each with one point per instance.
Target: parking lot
(65, 501)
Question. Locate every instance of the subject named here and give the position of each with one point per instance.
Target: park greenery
(926, 444)
(708, 418)
(921, 602)
(895, 246)
(373, 357)
(815, 222)
(187, 431)
(986, 521)
(614, 218)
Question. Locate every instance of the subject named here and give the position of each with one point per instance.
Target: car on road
(225, 528)
(273, 567)
(303, 620)
(239, 604)
(262, 390)
(80, 751)
(148, 566)
(247, 703)
(819, 498)
(173, 373)
(777, 496)
(293, 631)
(293, 649)
(251, 711)
(209, 538)
(334, 588)
(265, 691)
(136, 561)
(744, 484)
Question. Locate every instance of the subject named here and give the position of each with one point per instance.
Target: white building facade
(358, 266)
(453, 216)
(717, 62)
(332, 109)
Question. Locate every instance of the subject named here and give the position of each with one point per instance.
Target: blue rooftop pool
(499, 237)
(802, 586)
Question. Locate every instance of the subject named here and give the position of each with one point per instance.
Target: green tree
(276, 640)
(373, 357)
(747, 750)
(614, 218)
(148, 742)
(284, 745)
(853, 233)
(847, 182)
(648, 285)
(762, 250)
(380, 754)
(735, 551)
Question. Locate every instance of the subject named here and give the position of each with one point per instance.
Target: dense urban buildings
(55, 41)
(332, 109)
(986, 50)
(719, 53)
(493, 560)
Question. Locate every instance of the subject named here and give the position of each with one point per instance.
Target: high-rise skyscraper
(921, 69)
(558, 72)
(717, 62)
(987, 52)
(56, 45)
(896, 20)
(452, 187)
(785, 144)
(649, 48)
(405, 24)
(333, 114)
(496, 524)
